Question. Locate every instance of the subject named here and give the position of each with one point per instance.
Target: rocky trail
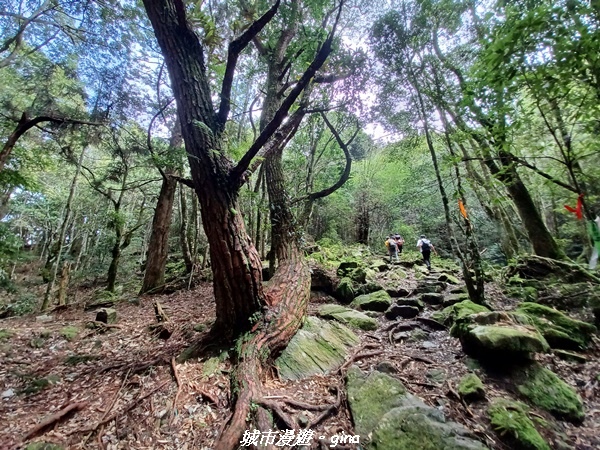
(390, 353)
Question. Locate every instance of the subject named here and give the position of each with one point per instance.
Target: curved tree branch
(237, 173)
(345, 174)
(235, 48)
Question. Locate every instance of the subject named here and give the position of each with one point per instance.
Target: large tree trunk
(158, 247)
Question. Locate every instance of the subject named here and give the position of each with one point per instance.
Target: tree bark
(184, 238)
(158, 246)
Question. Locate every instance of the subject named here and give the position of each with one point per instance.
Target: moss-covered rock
(317, 348)
(559, 329)
(69, 333)
(358, 275)
(106, 315)
(43, 446)
(350, 317)
(379, 265)
(5, 334)
(368, 288)
(447, 278)
(344, 292)
(471, 388)
(459, 310)
(431, 287)
(346, 267)
(526, 293)
(453, 299)
(396, 420)
(546, 390)
(375, 301)
(510, 420)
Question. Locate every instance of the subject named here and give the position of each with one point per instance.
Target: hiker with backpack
(426, 247)
(399, 243)
(392, 247)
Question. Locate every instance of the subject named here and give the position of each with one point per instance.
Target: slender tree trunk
(111, 279)
(158, 246)
(184, 238)
(62, 233)
(64, 283)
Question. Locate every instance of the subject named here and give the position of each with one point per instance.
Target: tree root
(54, 418)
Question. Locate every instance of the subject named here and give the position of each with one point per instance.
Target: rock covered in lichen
(375, 301)
(347, 316)
(471, 388)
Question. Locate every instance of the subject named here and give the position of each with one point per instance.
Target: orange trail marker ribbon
(463, 211)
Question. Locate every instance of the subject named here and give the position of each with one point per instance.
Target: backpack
(425, 245)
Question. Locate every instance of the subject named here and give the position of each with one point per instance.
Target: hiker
(399, 243)
(392, 247)
(426, 247)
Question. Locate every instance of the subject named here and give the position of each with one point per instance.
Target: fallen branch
(54, 418)
(358, 356)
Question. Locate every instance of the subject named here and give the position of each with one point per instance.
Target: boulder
(379, 265)
(106, 315)
(368, 288)
(548, 391)
(411, 301)
(398, 292)
(359, 275)
(350, 317)
(459, 310)
(317, 348)
(406, 312)
(453, 299)
(432, 298)
(321, 280)
(344, 292)
(434, 287)
(510, 420)
(396, 420)
(559, 329)
(498, 337)
(346, 267)
(447, 278)
(471, 388)
(376, 301)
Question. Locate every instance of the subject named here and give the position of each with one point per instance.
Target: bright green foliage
(471, 387)
(69, 333)
(509, 418)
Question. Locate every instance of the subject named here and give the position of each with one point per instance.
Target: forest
(197, 199)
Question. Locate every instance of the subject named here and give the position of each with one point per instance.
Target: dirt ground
(121, 388)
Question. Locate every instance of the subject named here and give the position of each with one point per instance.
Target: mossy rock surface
(375, 301)
(471, 388)
(379, 265)
(510, 420)
(69, 333)
(316, 349)
(453, 299)
(369, 287)
(350, 317)
(526, 293)
(43, 446)
(359, 275)
(447, 278)
(559, 329)
(346, 267)
(459, 310)
(548, 391)
(5, 334)
(344, 292)
(396, 420)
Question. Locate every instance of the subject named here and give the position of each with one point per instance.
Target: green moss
(371, 397)
(527, 293)
(459, 310)
(359, 275)
(344, 291)
(471, 387)
(200, 327)
(559, 330)
(39, 384)
(69, 333)
(510, 420)
(376, 301)
(5, 334)
(350, 317)
(547, 391)
(317, 348)
(43, 446)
